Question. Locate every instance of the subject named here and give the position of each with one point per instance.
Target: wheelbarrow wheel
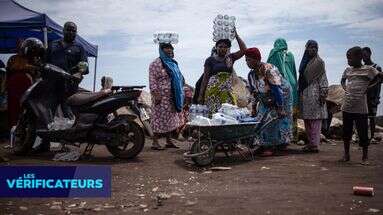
(201, 147)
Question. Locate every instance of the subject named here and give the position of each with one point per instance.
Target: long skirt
(276, 133)
(279, 132)
(313, 131)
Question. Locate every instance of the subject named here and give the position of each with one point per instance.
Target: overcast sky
(123, 30)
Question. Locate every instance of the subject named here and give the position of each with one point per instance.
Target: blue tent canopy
(18, 22)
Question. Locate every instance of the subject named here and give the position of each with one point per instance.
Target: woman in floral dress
(166, 88)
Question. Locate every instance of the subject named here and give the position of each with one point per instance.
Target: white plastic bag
(61, 123)
(222, 119)
(201, 121)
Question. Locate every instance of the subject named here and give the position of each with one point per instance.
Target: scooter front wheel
(25, 134)
(128, 142)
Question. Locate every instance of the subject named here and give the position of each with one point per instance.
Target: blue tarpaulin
(18, 22)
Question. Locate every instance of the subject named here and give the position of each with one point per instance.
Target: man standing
(66, 53)
(70, 56)
(355, 81)
(373, 93)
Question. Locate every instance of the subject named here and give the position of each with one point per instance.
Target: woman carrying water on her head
(216, 85)
(166, 84)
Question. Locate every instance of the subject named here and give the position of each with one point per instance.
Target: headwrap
(253, 53)
(166, 45)
(284, 61)
(177, 80)
(306, 58)
(310, 69)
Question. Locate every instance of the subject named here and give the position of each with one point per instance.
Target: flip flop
(172, 146)
(158, 148)
(344, 160)
(309, 149)
(267, 153)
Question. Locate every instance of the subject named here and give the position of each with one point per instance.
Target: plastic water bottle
(198, 110)
(191, 109)
(192, 112)
(237, 114)
(195, 112)
(205, 111)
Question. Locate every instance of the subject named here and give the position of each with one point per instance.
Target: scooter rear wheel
(129, 142)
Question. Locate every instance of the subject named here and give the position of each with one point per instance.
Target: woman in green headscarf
(284, 60)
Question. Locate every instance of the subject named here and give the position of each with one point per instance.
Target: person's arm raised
(242, 47)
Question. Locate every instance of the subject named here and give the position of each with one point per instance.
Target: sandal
(157, 147)
(282, 147)
(172, 145)
(267, 153)
(365, 163)
(259, 151)
(310, 149)
(344, 159)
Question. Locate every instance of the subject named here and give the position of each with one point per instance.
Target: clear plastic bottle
(198, 110)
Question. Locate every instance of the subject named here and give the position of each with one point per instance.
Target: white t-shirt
(357, 82)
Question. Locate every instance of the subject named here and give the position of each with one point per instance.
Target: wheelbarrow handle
(266, 120)
(189, 155)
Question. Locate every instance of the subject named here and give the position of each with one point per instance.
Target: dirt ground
(290, 184)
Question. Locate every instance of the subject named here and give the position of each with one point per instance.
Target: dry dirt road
(291, 184)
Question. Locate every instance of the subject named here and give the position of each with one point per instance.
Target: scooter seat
(84, 98)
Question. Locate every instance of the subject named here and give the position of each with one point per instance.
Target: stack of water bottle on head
(224, 26)
(165, 37)
(227, 115)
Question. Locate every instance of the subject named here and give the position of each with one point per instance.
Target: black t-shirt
(215, 65)
(66, 57)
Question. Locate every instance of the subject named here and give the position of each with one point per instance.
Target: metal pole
(45, 30)
(95, 74)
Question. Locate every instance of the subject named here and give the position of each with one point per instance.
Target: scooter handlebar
(127, 87)
(49, 68)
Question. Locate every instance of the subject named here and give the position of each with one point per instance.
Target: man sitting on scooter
(70, 56)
